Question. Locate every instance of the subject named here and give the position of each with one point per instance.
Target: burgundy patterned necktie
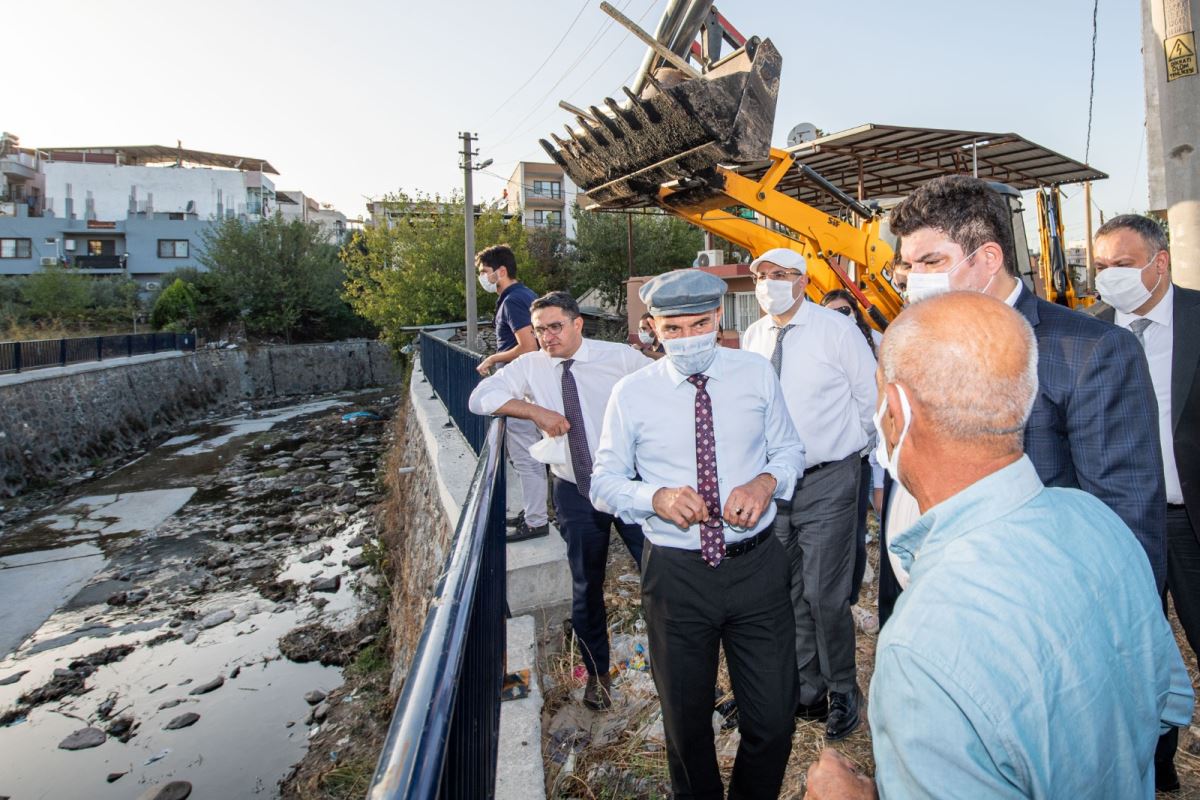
(712, 530)
(581, 457)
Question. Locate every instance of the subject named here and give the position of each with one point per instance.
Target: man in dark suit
(1092, 425)
(1133, 276)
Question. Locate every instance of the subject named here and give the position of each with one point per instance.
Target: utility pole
(469, 228)
(1170, 70)
(629, 241)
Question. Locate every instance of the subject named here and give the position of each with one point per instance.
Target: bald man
(1029, 656)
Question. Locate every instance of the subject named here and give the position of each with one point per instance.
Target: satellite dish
(804, 132)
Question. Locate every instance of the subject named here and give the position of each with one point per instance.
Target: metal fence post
(17, 356)
(129, 345)
(62, 352)
(99, 348)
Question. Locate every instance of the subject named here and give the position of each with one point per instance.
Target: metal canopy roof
(891, 160)
(144, 155)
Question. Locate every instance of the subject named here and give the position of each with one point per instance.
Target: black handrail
(450, 370)
(444, 734)
(42, 353)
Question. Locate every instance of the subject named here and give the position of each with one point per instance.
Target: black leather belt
(745, 545)
(1177, 506)
(818, 467)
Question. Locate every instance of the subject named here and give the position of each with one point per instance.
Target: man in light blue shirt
(1029, 656)
(695, 448)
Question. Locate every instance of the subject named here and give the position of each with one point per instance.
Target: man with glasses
(563, 390)
(828, 375)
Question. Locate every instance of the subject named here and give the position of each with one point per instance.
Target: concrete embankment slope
(59, 422)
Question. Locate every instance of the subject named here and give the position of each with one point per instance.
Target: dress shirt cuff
(785, 481)
(489, 400)
(643, 499)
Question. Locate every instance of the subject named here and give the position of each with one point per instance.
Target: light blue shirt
(650, 432)
(1029, 656)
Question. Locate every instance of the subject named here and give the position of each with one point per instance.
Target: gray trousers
(817, 529)
(520, 435)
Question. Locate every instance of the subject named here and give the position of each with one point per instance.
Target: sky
(356, 99)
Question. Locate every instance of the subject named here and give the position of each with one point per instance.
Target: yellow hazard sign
(1181, 55)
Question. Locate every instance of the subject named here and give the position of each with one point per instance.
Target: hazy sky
(358, 98)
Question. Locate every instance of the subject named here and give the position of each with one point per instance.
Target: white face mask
(891, 463)
(692, 354)
(1122, 287)
(927, 284)
(645, 337)
(775, 297)
(487, 285)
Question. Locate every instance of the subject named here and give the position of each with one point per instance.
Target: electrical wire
(1087, 150)
(541, 66)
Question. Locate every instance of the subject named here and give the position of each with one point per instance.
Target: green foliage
(278, 277)
(410, 270)
(661, 242)
(176, 305)
(57, 293)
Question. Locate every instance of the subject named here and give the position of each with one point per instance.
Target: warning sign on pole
(1181, 55)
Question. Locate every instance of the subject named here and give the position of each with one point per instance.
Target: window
(95, 247)
(172, 248)
(547, 218)
(741, 311)
(15, 248)
(547, 188)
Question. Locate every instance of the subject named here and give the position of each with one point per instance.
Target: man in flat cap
(828, 375)
(695, 448)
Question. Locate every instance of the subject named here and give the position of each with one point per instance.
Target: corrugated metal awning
(888, 161)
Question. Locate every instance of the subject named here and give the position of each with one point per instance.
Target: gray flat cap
(682, 291)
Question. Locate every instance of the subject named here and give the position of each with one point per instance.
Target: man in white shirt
(1133, 275)
(828, 375)
(563, 389)
(695, 448)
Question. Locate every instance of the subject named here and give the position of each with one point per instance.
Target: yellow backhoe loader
(693, 137)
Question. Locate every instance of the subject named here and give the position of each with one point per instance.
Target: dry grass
(633, 767)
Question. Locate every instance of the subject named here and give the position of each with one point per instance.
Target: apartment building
(543, 194)
(137, 210)
(295, 204)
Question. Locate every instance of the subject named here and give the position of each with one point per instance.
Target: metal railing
(444, 734)
(450, 370)
(43, 353)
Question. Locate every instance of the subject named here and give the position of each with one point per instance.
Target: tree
(57, 294)
(408, 270)
(661, 242)
(279, 277)
(176, 305)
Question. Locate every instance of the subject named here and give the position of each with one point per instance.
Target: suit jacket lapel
(1186, 350)
(1027, 305)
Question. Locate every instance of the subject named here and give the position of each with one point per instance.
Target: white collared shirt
(649, 441)
(1160, 348)
(828, 378)
(537, 378)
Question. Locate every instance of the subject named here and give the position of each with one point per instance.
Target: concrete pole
(1172, 80)
(629, 241)
(469, 238)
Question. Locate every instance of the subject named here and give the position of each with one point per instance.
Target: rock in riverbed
(205, 688)
(182, 721)
(83, 738)
(175, 790)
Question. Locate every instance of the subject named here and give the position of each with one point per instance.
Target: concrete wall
(53, 425)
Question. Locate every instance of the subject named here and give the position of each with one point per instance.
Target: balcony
(98, 262)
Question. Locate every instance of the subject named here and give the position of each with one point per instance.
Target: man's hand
(747, 502)
(682, 507)
(553, 423)
(485, 366)
(834, 777)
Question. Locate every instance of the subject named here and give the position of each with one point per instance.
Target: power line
(541, 66)
(517, 129)
(1087, 150)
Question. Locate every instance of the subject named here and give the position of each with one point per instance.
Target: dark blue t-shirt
(512, 314)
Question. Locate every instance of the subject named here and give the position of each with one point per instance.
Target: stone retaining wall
(54, 425)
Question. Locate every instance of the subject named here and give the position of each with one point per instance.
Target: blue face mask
(692, 354)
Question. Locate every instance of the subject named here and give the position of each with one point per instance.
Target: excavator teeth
(551, 151)
(675, 131)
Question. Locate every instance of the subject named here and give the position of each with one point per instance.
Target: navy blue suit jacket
(1094, 424)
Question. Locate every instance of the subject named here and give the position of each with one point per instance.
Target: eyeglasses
(777, 275)
(554, 327)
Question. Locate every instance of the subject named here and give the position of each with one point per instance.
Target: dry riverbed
(188, 622)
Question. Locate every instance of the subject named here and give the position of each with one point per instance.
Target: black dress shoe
(1165, 777)
(513, 522)
(843, 714)
(817, 711)
(525, 531)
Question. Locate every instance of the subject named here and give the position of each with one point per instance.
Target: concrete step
(538, 574)
(520, 774)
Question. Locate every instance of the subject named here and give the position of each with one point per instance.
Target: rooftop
(151, 154)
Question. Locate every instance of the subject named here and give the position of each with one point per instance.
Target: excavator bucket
(676, 129)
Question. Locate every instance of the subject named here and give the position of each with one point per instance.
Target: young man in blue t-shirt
(497, 268)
